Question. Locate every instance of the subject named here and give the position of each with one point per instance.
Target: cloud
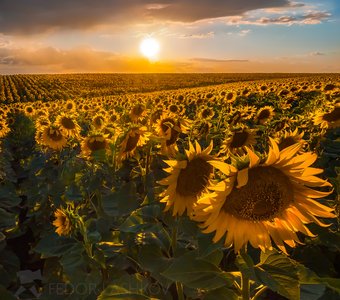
(52, 60)
(212, 60)
(317, 53)
(199, 36)
(40, 16)
(310, 18)
(77, 60)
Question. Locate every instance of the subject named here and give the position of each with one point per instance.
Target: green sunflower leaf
(197, 273)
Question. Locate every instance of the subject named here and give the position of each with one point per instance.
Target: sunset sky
(40, 36)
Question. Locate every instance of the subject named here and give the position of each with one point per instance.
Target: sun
(149, 47)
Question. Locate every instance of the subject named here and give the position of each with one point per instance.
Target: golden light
(149, 47)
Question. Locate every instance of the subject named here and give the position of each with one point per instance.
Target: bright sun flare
(149, 47)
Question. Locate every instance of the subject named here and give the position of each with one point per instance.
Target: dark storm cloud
(38, 16)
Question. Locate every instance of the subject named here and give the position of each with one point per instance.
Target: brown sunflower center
(96, 144)
(132, 142)
(138, 109)
(68, 123)
(173, 137)
(194, 178)
(167, 123)
(264, 114)
(55, 135)
(69, 106)
(98, 121)
(173, 108)
(206, 113)
(286, 142)
(267, 193)
(239, 139)
(333, 116)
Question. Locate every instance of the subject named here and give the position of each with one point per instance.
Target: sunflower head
(29, 111)
(134, 137)
(4, 129)
(93, 143)
(137, 112)
(238, 141)
(289, 138)
(70, 106)
(62, 222)
(68, 125)
(265, 114)
(330, 119)
(187, 179)
(264, 201)
(99, 121)
(52, 137)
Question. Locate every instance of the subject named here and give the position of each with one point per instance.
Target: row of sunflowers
(221, 192)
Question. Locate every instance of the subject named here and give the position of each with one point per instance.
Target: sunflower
(93, 143)
(3, 129)
(29, 111)
(206, 113)
(330, 119)
(238, 141)
(70, 106)
(137, 112)
(68, 125)
(135, 137)
(62, 222)
(265, 114)
(52, 137)
(188, 179)
(169, 126)
(99, 121)
(269, 200)
(289, 138)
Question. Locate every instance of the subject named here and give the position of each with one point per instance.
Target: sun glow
(149, 47)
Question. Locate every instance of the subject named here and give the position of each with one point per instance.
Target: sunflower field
(220, 191)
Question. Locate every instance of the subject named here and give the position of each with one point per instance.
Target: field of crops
(121, 188)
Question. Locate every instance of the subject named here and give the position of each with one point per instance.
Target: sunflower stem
(245, 282)
(179, 286)
(259, 292)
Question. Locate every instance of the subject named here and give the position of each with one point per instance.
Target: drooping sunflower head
(265, 114)
(52, 137)
(93, 143)
(269, 200)
(62, 222)
(137, 112)
(187, 179)
(329, 119)
(136, 136)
